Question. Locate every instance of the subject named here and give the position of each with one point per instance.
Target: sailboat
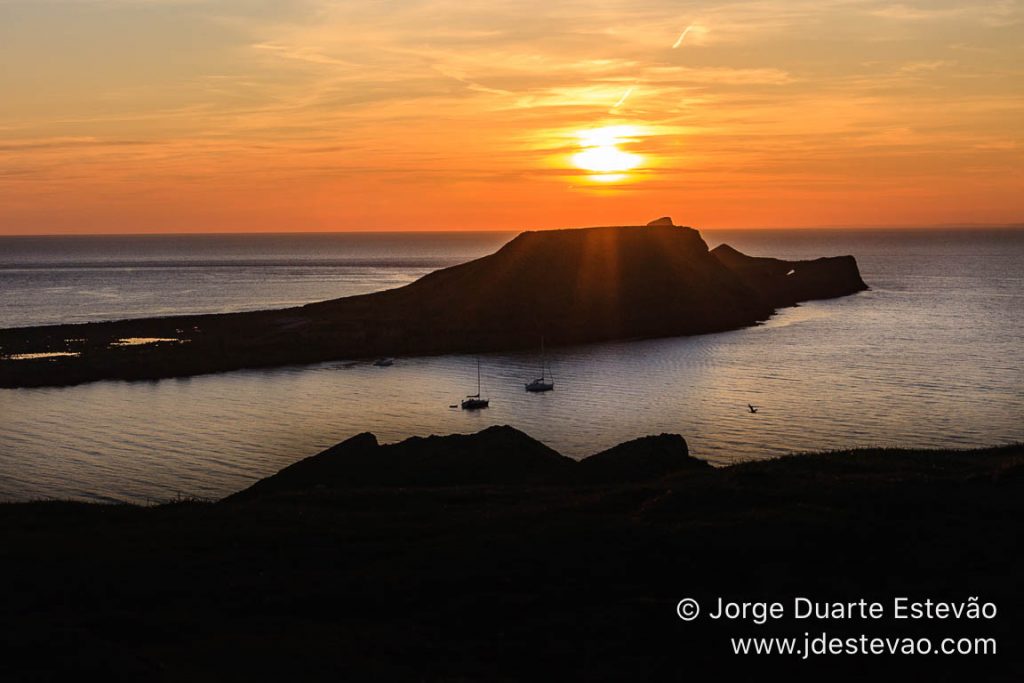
(542, 383)
(473, 401)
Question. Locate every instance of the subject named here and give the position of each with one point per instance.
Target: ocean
(930, 356)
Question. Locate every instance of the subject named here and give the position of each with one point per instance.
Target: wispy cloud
(682, 37)
(625, 96)
(66, 143)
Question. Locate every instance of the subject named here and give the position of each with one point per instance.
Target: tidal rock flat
(565, 286)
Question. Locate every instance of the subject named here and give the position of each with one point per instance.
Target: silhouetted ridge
(648, 457)
(567, 286)
(575, 286)
(353, 459)
(497, 456)
(784, 283)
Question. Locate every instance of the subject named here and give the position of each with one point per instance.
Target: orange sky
(217, 115)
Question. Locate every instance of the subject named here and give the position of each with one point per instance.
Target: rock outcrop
(649, 457)
(784, 283)
(496, 455)
(664, 220)
(499, 455)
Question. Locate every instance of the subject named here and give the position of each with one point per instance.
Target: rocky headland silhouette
(499, 455)
(568, 286)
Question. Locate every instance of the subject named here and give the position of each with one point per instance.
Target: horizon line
(407, 231)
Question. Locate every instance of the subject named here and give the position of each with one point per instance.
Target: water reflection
(929, 357)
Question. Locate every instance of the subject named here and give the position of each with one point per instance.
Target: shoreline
(859, 452)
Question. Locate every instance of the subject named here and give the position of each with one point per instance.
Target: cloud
(682, 37)
(995, 14)
(929, 65)
(625, 96)
(66, 143)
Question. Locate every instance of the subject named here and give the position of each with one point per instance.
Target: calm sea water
(931, 356)
(48, 280)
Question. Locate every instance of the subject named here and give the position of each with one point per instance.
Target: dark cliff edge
(569, 286)
(784, 283)
(499, 455)
(490, 557)
(496, 455)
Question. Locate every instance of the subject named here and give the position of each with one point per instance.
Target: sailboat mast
(543, 359)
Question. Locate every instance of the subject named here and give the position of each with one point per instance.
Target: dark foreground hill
(567, 286)
(495, 456)
(342, 571)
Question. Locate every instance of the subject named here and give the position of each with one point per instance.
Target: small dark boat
(384, 362)
(542, 383)
(473, 401)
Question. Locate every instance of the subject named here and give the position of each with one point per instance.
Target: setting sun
(601, 153)
(605, 159)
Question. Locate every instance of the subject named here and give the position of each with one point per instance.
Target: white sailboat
(473, 401)
(542, 383)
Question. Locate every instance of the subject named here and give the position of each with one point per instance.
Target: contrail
(679, 40)
(625, 96)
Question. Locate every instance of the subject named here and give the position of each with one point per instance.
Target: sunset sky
(255, 115)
